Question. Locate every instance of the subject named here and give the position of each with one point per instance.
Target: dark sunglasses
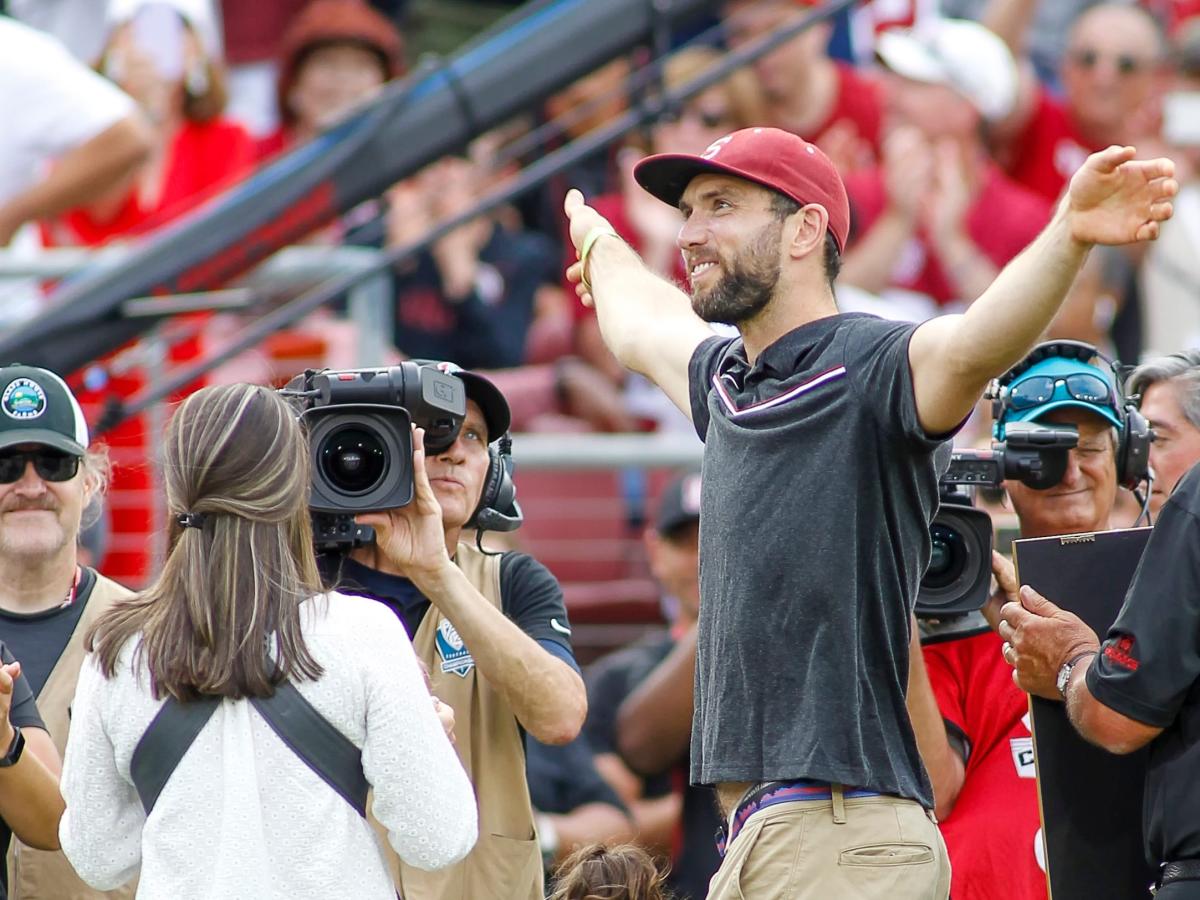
(1126, 64)
(1042, 389)
(51, 465)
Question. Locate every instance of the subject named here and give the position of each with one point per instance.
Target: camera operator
(493, 630)
(971, 720)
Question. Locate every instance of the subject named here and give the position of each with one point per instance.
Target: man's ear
(810, 223)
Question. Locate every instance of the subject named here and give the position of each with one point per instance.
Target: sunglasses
(51, 465)
(1125, 63)
(1043, 388)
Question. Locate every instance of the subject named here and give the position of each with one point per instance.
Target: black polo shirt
(819, 485)
(1149, 670)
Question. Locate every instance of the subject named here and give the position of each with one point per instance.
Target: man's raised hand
(1117, 199)
(582, 219)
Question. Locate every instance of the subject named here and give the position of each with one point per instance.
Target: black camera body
(958, 578)
(359, 424)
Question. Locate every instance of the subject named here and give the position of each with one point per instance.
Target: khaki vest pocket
(508, 861)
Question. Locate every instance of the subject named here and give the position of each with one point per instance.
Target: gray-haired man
(1169, 387)
(47, 599)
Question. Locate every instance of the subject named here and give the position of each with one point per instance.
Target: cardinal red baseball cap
(771, 157)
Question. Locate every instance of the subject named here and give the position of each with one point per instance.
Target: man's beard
(748, 282)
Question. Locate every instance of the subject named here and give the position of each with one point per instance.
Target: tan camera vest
(41, 874)
(506, 863)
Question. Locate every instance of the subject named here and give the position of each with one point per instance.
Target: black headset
(498, 509)
(1134, 435)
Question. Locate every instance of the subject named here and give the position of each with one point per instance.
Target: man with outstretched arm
(819, 485)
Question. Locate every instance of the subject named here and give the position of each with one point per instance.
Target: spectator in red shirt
(336, 53)
(972, 722)
(1110, 75)
(823, 100)
(156, 55)
(939, 217)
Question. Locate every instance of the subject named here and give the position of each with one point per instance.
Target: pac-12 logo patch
(23, 399)
(455, 656)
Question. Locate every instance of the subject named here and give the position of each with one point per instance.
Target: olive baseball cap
(37, 407)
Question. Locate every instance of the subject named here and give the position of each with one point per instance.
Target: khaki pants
(884, 847)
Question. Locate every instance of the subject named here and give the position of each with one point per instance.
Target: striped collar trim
(788, 395)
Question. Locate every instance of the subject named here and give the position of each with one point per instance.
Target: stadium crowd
(956, 126)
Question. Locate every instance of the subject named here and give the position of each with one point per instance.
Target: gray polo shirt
(819, 485)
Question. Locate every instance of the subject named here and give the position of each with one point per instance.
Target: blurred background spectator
(807, 92)
(1170, 284)
(333, 56)
(1109, 71)
(75, 138)
(939, 218)
(156, 52)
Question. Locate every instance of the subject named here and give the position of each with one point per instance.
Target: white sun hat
(960, 54)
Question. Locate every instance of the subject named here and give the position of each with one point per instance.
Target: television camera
(958, 577)
(359, 424)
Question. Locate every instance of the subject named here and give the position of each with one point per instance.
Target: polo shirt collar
(784, 356)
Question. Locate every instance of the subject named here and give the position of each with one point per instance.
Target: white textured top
(242, 816)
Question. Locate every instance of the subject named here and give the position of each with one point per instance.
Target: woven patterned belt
(772, 793)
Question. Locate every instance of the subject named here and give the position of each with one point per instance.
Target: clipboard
(1090, 800)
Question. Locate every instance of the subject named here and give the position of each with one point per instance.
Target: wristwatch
(1064, 674)
(14, 749)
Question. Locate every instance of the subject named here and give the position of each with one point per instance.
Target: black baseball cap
(495, 408)
(679, 504)
(37, 407)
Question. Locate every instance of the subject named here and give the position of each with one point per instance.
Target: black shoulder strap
(164, 743)
(321, 747)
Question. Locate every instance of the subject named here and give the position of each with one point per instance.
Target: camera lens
(947, 557)
(353, 459)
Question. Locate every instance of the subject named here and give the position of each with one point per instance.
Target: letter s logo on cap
(715, 147)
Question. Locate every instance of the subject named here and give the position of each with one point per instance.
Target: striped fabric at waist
(772, 793)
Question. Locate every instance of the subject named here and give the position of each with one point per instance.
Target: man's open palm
(1116, 199)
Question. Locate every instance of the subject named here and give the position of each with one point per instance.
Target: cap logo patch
(23, 399)
(715, 147)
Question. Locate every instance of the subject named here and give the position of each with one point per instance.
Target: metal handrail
(293, 269)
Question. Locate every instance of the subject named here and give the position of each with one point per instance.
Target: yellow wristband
(589, 241)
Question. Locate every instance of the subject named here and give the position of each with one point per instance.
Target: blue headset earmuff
(1134, 435)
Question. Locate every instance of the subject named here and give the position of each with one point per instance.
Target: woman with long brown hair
(237, 622)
